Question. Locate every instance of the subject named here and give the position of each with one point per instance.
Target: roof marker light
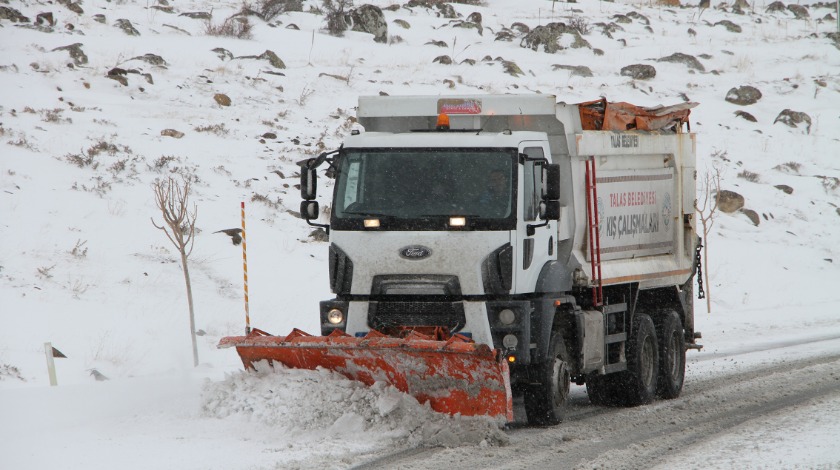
(442, 122)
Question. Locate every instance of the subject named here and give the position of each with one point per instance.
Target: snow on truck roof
(445, 139)
(493, 113)
(484, 105)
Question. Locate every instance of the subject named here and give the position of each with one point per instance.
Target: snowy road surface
(761, 409)
(768, 406)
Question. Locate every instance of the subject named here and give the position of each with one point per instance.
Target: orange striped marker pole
(245, 272)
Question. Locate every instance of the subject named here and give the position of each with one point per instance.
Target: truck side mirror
(552, 210)
(552, 182)
(309, 209)
(308, 183)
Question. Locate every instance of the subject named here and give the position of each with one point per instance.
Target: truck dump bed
(644, 205)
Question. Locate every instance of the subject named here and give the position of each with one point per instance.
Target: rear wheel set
(671, 356)
(655, 368)
(638, 384)
(655, 365)
(642, 372)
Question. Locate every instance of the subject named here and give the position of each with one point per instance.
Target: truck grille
(382, 315)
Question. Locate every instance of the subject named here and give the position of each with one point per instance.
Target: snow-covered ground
(82, 266)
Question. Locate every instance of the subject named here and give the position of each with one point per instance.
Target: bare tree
(172, 198)
(710, 186)
(335, 11)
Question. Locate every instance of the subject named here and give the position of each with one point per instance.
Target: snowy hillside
(98, 99)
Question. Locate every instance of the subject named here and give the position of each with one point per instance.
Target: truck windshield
(420, 189)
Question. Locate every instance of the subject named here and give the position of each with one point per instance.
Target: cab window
(532, 183)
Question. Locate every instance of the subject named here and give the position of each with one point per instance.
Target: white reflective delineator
(48, 350)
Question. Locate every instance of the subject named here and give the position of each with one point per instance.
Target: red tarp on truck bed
(600, 115)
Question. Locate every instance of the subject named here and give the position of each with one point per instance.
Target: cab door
(536, 239)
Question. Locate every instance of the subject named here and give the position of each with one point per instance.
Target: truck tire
(671, 356)
(545, 403)
(638, 382)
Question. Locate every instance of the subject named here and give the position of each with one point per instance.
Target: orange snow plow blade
(453, 376)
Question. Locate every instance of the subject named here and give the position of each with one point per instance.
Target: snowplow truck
(485, 247)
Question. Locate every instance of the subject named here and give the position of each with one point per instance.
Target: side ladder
(593, 224)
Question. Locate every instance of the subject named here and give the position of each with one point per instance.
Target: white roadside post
(48, 350)
(51, 354)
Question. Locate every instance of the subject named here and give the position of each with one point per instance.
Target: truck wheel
(639, 380)
(545, 403)
(671, 356)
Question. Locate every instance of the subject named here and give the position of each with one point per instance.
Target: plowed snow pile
(320, 404)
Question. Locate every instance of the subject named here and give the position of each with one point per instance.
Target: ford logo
(415, 252)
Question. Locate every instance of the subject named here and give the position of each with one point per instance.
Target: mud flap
(456, 376)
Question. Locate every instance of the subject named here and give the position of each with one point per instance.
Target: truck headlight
(457, 221)
(510, 341)
(335, 316)
(507, 316)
